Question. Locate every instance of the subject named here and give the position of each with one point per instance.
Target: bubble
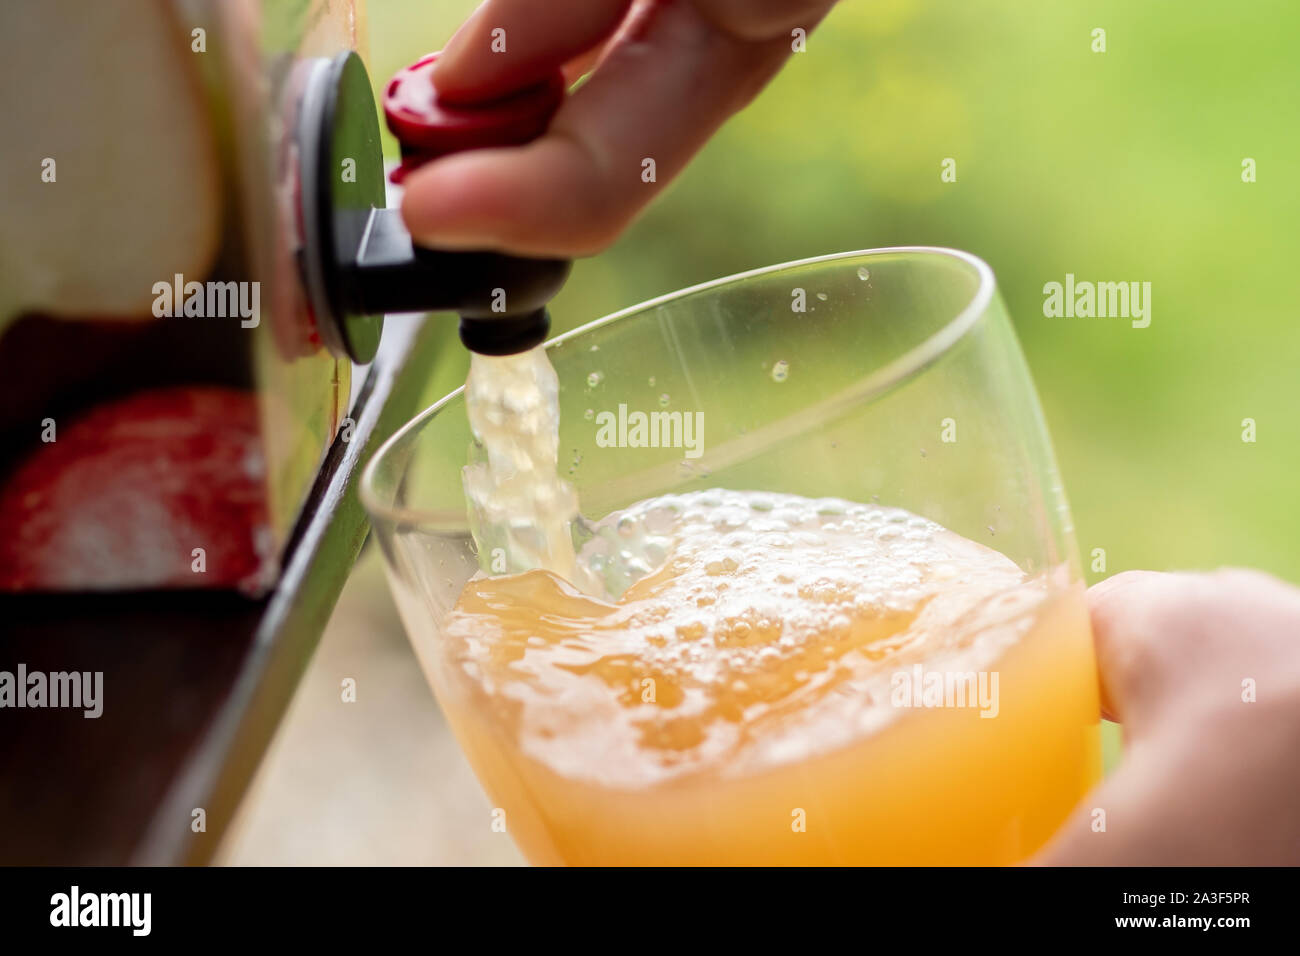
(733, 628)
(721, 565)
(863, 273)
(781, 371)
(594, 379)
(651, 381)
(589, 414)
(692, 631)
(822, 296)
(664, 400)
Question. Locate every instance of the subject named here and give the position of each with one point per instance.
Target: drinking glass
(888, 376)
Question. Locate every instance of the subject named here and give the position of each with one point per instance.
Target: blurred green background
(1117, 166)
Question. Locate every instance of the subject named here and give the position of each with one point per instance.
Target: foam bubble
(760, 641)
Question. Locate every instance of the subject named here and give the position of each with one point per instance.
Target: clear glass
(887, 376)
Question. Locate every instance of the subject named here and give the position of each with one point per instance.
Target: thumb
(1203, 671)
(1174, 646)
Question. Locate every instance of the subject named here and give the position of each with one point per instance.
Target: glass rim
(924, 353)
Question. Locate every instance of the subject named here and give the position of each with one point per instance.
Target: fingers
(763, 19)
(1203, 671)
(666, 83)
(1121, 608)
(1170, 646)
(1215, 792)
(1114, 824)
(584, 62)
(535, 38)
(508, 44)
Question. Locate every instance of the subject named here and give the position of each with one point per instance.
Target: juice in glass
(798, 682)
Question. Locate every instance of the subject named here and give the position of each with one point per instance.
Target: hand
(1207, 777)
(668, 74)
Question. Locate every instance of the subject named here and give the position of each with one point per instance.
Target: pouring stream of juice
(521, 510)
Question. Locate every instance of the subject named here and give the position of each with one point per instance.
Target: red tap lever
(428, 125)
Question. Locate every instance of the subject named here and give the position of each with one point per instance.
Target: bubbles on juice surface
(742, 630)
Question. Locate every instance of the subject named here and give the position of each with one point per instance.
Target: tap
(357, 259)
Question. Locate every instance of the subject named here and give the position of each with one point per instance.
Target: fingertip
(507, 45)
(455, 59)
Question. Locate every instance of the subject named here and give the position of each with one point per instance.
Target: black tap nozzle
(501, 299)
(498, 335)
